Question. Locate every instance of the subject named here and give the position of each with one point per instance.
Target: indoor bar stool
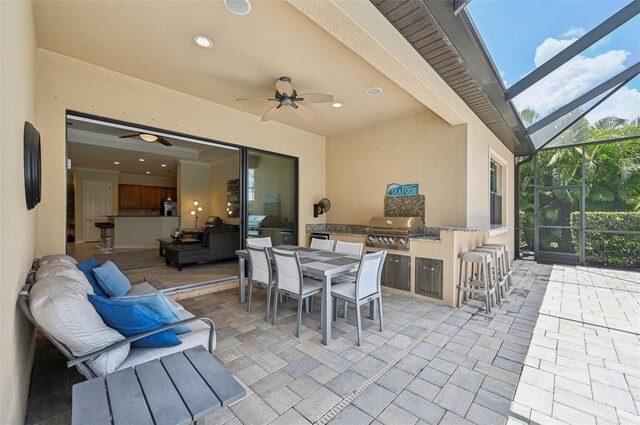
(106, 236)
(499, 277)
(483, 282)
(505, 262)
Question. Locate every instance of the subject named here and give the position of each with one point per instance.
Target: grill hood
(409, 225)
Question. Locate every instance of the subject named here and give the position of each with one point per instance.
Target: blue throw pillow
(132, 319)
(160, 305)
(87, 267)
(111, 280)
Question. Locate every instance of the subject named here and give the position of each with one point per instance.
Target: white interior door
(97, 205)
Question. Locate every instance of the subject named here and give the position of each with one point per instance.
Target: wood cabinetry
(132, 196)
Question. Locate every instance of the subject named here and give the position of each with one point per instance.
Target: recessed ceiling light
(148, 137)
(141, 160)
(148, 172)
(116, 162)
(374, 91)
(238, 7)
(336, 105)
(163, 165)
(203, 41)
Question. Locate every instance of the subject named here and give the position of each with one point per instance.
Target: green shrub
(609, 249)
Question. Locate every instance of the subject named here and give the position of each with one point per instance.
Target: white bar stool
(483, 282)
(497, 268)
(506, 262)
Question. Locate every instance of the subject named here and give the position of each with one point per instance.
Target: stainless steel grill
(393, 232)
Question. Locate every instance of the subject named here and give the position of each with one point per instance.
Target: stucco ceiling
(153, 41)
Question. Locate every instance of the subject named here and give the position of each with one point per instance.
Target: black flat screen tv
(32, 165)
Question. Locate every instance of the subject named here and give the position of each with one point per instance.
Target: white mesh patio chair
(261, 274)
(290, 282)
(261, 242)
(366, 289)
(323, 244)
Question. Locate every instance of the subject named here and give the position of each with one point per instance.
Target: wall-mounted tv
(32, 167)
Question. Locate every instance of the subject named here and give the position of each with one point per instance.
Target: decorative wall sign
(395, 190)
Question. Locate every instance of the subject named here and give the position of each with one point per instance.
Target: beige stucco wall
(419, 148)
(65, 83)
(18, 226)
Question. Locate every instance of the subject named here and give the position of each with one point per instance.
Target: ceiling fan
(286, 95)
(148, 138)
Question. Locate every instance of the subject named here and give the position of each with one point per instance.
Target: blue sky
(522, 34)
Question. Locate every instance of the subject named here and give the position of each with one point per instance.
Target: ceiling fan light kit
(287, 96)
(147, 137)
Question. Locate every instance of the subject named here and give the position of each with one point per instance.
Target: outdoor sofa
(55, 299)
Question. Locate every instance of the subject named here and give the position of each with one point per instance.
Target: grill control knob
(371, 238)
(402, 241)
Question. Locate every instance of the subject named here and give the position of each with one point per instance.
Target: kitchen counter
(141, 231)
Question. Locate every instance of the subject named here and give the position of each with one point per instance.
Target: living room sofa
(55, 300)
(218, 243)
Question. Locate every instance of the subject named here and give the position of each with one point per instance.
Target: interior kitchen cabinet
(131, 196)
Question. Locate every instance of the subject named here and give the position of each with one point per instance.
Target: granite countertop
(487, 228)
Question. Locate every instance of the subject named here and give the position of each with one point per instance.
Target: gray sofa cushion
(60, 306)
(144, 288)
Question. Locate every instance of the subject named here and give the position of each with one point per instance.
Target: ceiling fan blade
(316, 97)
(271, 112)
(303, 112)
(163, 141)
(253, 98)
(130, 135)
(284, 87)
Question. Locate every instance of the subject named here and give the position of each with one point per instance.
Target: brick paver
(563, 348)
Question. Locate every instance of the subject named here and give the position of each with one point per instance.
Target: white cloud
(549, 48)
(502, 76)
(574, 32)
(625, 103)
(573, 79)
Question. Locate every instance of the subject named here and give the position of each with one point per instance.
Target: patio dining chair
(366, 289)
(291, 282)
(261, 242)
(324, 244)
(348, 248)
(260, 273)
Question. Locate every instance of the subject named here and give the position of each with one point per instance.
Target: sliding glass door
(271, 197)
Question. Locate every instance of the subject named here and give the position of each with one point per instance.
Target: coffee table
(164, 243)
(180, 388)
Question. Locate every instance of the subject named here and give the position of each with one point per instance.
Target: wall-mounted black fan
(321, 207)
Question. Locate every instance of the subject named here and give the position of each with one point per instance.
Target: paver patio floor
(563, 348)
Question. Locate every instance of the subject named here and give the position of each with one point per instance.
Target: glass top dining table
(321, 264)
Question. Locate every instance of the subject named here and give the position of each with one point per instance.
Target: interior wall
(273, 177)
(81, 175)
(193, 185)
(18, 226)
(221, 173)
(419, 148)
(69, 84)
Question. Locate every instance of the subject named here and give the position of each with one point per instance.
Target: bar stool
(483, 282)
(106, 236)
(505, 261)
(499, 276)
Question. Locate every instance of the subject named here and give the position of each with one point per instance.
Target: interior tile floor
(564, 347)
(168, 275)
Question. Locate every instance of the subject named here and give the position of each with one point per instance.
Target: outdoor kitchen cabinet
(428, 277)
(396, 272)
